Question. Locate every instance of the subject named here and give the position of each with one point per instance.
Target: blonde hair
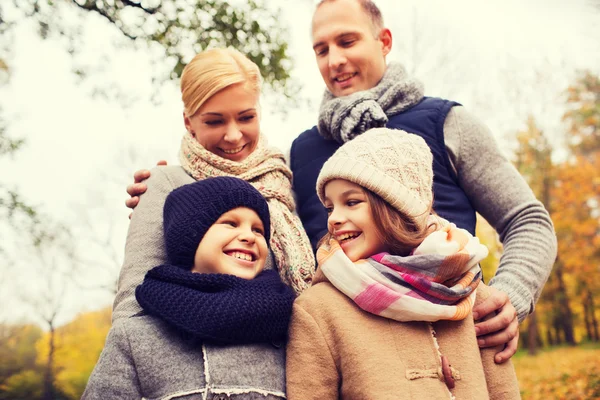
(212, 71)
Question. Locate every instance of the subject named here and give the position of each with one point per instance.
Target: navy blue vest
(426, 119)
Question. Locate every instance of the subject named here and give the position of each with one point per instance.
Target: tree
(174, 29)
(17, 353)
(14, 210)
(578, 222)
(533, 159)
(79, 344)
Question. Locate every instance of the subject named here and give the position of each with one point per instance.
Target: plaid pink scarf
(436, 282)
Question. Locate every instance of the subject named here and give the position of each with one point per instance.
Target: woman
(220, 89)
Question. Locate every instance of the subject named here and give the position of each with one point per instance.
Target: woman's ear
(188, 124)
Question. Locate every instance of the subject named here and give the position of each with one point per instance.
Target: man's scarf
(437, 281)
(343, 118)
(217, 307)
(265, 168)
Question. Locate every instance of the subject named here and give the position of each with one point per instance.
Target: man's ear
(385, 36)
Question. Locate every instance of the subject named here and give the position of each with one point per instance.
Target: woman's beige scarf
(267, 171)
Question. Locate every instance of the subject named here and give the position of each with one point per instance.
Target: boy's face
(351, 220)
(234, 245)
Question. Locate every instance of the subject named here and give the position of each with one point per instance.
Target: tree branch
(91, 6)
(150, 11)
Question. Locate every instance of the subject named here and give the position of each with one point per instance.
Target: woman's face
(227, 123)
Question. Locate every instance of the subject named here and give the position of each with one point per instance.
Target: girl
(389, 312)
(220, 89)
(214, 320)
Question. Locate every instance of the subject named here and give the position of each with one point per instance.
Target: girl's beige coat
(336, 350)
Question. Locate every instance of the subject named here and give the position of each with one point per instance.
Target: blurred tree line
(568, 310)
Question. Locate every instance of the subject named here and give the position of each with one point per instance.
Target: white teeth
(347, 236)
(241, 256)
(344, 77)
(233, 151)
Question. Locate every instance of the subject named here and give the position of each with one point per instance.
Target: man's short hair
(372, 11)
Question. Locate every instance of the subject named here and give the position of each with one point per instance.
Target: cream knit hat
(392, 163)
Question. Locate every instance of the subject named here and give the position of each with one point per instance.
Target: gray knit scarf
(343, 118)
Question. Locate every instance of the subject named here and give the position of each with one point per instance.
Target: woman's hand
(138, 188)
(498, 324)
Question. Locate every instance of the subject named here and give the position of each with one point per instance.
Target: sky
(504, 61)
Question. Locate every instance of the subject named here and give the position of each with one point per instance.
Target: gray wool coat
(144, 358)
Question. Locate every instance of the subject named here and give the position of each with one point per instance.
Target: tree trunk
(532, 334)
(49, 374)
(595, 337)
(550, 338)
(586, 317)
(566, 320)
(558, 333)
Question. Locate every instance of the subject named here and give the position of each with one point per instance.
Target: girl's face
(227, 123)
(235, 244)
(350, 220)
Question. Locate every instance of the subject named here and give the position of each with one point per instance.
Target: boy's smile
(234, 245)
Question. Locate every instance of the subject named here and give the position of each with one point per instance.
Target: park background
(88, 95)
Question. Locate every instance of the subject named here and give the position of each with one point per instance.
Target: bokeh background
(89, 94)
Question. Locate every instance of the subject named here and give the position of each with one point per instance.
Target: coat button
(220, 397)
(447, 371)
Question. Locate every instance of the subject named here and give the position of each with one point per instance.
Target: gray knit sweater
(500, 194)
(144, 358)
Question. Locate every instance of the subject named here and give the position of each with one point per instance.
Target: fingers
(494, 302)
(495, 331)
(132, 202)
(509, 350)
(161, 162)
(136, 189)
(497, 336)
(141, 175)
(506, 318)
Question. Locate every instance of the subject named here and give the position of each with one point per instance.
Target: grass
(567, 373)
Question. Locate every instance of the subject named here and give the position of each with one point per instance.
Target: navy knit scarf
(217, 307)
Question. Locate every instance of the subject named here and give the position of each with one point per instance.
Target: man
(470, 175)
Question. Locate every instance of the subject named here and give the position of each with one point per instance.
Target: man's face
(350, 55)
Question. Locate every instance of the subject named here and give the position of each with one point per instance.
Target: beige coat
(337, 350)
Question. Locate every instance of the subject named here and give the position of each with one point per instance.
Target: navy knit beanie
(191, 209)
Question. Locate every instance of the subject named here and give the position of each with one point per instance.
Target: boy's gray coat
(145, 358)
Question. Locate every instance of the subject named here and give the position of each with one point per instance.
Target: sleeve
(501, 379)
(114, 376)
(500, 194)
(310, 370)
(144, 247)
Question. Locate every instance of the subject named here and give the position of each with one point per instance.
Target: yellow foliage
(27, 384)
(564, 373)
(487, 236)
(77, 348)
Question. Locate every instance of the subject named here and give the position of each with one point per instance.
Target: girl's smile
(351, 221)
